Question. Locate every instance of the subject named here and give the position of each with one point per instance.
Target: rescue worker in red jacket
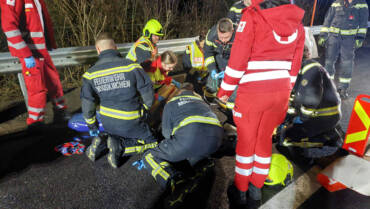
(29, 32)
(266, 54)
(159, 69)
(145, 48)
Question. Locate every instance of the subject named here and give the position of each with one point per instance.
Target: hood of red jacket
(284, 19)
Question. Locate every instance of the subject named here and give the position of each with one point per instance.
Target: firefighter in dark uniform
(344, 30)
(192, 132)
(119, 85)
(145, 48)
(235, 11)
(314, 108)
(217, 50)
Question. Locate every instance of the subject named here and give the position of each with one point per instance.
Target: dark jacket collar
(109, 53)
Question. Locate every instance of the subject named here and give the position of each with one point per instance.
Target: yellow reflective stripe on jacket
(362, 30)
(185, 96)
(140, 148)
(210, 43)
(309, 66)
(324, 30)
(157, 169)
(360, 6)
(196, 56)
(344, 80)
(120, 69)
(236, 10)
(132, 53)
(209, 60)
(230, 105)
(342, 32)
(90, 120)
(197, 119)
(320, 112)
(119, 114)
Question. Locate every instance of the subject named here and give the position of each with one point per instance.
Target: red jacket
(268, 47)
(25, 24)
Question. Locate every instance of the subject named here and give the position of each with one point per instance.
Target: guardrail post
(23, 88)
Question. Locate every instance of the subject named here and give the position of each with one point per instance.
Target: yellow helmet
(152, 27)
(280, 170)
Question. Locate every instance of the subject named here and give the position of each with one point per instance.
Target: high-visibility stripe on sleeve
(28, 6)
(244, 160)
(36, 34)
(12, 33)
(209, 61)
(227, 87)
(233, 73)
(19, 45)
(267, 65)
(344, 80)
(262, 160)
(324, 29)
(362, 30)
(243, 172)
(236, 10)
(260, 170)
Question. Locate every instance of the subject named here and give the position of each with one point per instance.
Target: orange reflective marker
(358, 127)
(330, 184)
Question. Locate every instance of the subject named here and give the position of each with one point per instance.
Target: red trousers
(256, 115)
(41, 80)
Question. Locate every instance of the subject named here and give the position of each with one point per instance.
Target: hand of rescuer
(94, 132)
(216, 76)
(321, 41)
(224, 98)
(359, 42)
(30, 62)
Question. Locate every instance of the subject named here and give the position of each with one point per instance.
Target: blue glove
(177, 84)
(94, 132)
(214, 74)
(30, 62)
(297, 120)
(221, 75)
(139, 164)
(160, 98)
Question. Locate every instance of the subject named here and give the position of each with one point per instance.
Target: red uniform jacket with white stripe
(268, 47)
(27, 26)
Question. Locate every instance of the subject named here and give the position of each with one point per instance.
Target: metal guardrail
(73, 56)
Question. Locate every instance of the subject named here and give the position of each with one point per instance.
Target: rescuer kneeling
(119, 85)
(192, 132)
(314, 110)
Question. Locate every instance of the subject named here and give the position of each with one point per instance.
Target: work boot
(115, 151)
(254, 196)
(237, 198)
(61, 115)
(179, 188)
(36, 128)
(97, 147)
(343, 93)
